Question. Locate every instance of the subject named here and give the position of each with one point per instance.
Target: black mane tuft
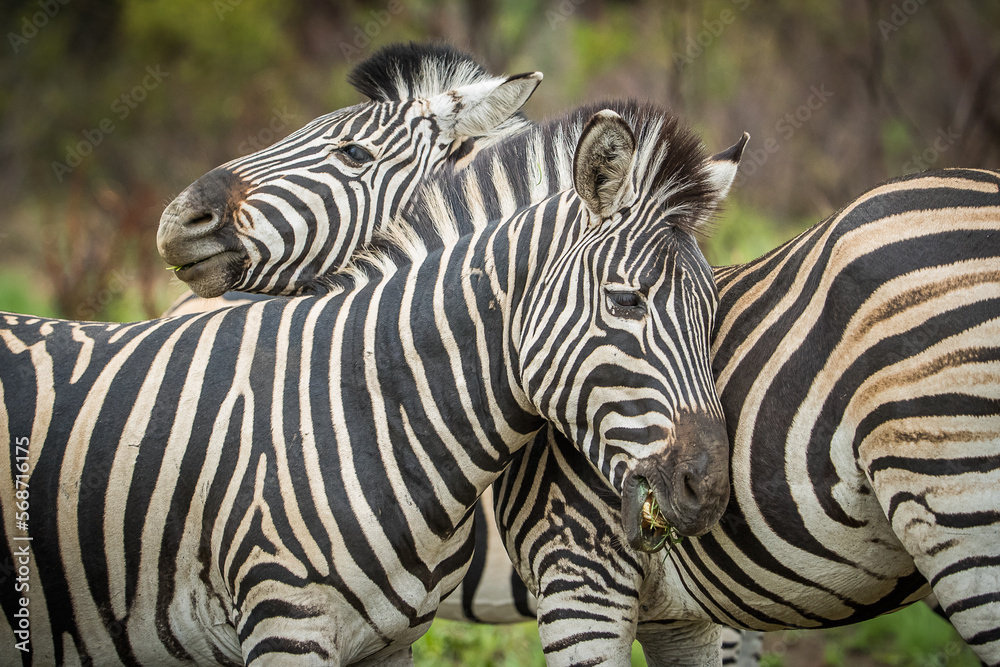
(405, 71)
(671, 168)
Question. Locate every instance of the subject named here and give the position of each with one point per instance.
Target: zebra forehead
(309, 146)
(406, 71)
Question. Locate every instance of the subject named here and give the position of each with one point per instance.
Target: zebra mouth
(654, 530)
(214, 275)
(646, 527)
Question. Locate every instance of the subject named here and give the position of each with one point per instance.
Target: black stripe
(972, 602)
(928, 466)
(470, 582)
(963, 565)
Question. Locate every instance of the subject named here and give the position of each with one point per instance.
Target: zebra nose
(187, 231)
(199, 222)
(691, 488)
(187, 218)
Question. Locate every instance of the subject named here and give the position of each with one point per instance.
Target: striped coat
(292, 480)
(545, 483)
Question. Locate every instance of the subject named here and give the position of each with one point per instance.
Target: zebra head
(615, 350)
(276, 221)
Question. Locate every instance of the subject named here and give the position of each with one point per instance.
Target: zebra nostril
(688, 489)
(204, 219)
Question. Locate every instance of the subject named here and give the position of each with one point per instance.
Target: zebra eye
(625, 303)
(356, 154)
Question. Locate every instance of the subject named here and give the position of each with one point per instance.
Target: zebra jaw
(214, 275)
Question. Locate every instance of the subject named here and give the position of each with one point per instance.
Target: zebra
(492, 591)
(894, 413)
(498, 190)
(548, 492)
(399, 73)
(499, 181)
(292, 480)
(277, 220)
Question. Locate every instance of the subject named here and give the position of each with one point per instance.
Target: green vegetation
(110, 108)
(451, 643)
(19, 293)
(912, 637)
(740, 234)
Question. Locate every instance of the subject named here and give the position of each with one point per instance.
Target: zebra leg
(963, 569)
(932, 603)
(948, 519)
(680, 643)
(581, 619)
(741, 647)
(552, 517)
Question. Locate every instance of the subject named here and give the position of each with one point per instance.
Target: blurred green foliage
(740, 234)
(108, 108)
(912, 637)
(451, 643)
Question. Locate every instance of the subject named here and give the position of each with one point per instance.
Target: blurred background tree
(109, 108)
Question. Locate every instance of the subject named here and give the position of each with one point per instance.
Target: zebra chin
(215, 275)
(681, 493)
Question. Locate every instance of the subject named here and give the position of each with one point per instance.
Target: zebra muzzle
(214, 275)
(646, 528)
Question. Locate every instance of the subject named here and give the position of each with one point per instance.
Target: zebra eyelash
(355, 155)
(625, 303)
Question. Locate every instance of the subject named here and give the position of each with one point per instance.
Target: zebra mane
(407, 71)
(530, 166)
(534, 164)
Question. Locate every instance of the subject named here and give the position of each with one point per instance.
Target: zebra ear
(602, 164)
(722, 166)
(478, 108)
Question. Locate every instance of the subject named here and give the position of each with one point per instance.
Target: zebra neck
(429, 351)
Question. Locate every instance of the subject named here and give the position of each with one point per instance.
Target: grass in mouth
(652, 516)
